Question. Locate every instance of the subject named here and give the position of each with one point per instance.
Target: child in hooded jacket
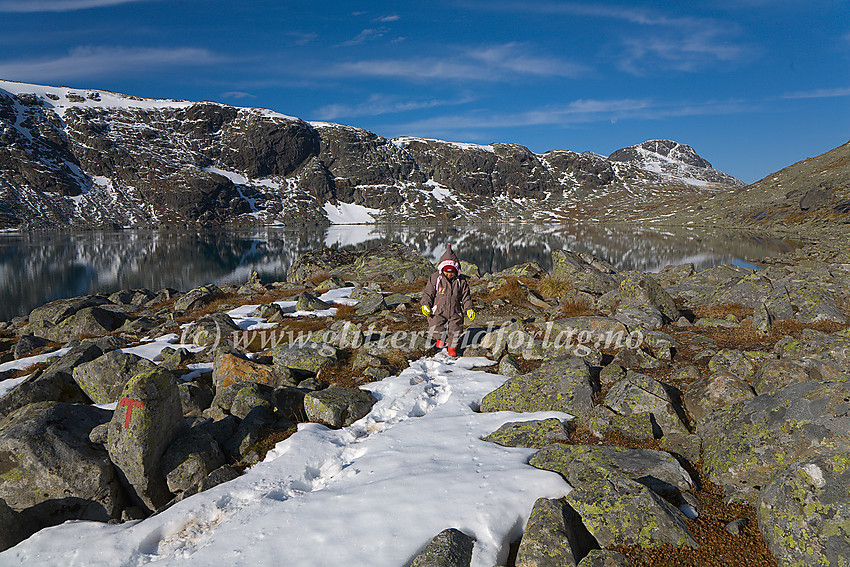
(445, 298)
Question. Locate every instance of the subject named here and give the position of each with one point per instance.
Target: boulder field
(711, 408)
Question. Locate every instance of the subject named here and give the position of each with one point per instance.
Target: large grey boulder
(50, 469)
(638, 393)
(189, 459)
(776, 374)
(197, 298)
(657, 470)
(210, 330)
(26, 344)
(741, 363)
(833, 348)
(639, 289)
(715, 392)
(449, 548)
(309, 358)
(56, 382)
(554, 536)
(747, 443)
(309, 302)
(103, 378)
(147, 420)
(562, 384)
(804, 512)
(585, 276)
(56, 311)
(534, 434)
(231, 368)
(87, 322)
(337, 406)
(619, 511)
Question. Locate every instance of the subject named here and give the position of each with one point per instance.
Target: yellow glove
(471, 314)
(426, 310)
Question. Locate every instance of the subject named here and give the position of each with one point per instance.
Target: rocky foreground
(712, 408)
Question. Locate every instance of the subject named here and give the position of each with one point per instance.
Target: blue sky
(752, 85)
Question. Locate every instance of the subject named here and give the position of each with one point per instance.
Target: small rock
(449, 548)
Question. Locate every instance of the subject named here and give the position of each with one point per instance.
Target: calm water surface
(36, 268)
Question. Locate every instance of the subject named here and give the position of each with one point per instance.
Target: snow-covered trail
(370, 494)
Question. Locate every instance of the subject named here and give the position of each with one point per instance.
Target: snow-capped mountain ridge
(81, 158)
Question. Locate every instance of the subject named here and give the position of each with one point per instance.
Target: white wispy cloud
(576, 112)
(379, 104)
(238, 95)
(368, 34)
(489, 63)
(27, 6)
(86, 62)
(657, 42)
(389, 18)
(819, 93)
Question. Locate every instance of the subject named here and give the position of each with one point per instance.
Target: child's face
(449, 273)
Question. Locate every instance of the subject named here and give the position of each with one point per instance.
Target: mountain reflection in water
(39, 267)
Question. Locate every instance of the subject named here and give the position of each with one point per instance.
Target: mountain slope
(89, 159)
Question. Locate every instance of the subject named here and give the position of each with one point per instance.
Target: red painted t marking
(130, 405)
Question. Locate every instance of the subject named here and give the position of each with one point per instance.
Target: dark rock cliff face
(99, 159)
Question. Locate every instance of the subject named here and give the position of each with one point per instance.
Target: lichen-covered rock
(189, 459)
(715, 392)
(309, 358)
(230, 368)
(584, 276)
(661, 345)
(147, 420)
(210, 330)
(337, 406)
(103, 378)
(371, 304)
(197, 298)
(26, 344)
(776, 374)
(195, 397)
(619, 511)
(563, 384)
(638, 393)
(509, 366)
(645, 317)
(55, 311)
(56, 382)
(745, 444)
(804, 512)
(657, 470)
(834, 348)
(637, 288)
(604, 558)
(449, 548)
(50, 468)
(687, 446)
(534, 434)
(637, 425)
(308, 302)
(554, 536)
(250, 395)
(741, 363)
(87, 322)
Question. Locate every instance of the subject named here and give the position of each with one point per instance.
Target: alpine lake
(39, 267)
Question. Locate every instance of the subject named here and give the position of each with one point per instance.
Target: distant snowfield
(371, 494)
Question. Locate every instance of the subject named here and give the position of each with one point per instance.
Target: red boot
(440, 343)
(452, 351)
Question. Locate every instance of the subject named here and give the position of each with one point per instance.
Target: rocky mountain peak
(79, 158)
